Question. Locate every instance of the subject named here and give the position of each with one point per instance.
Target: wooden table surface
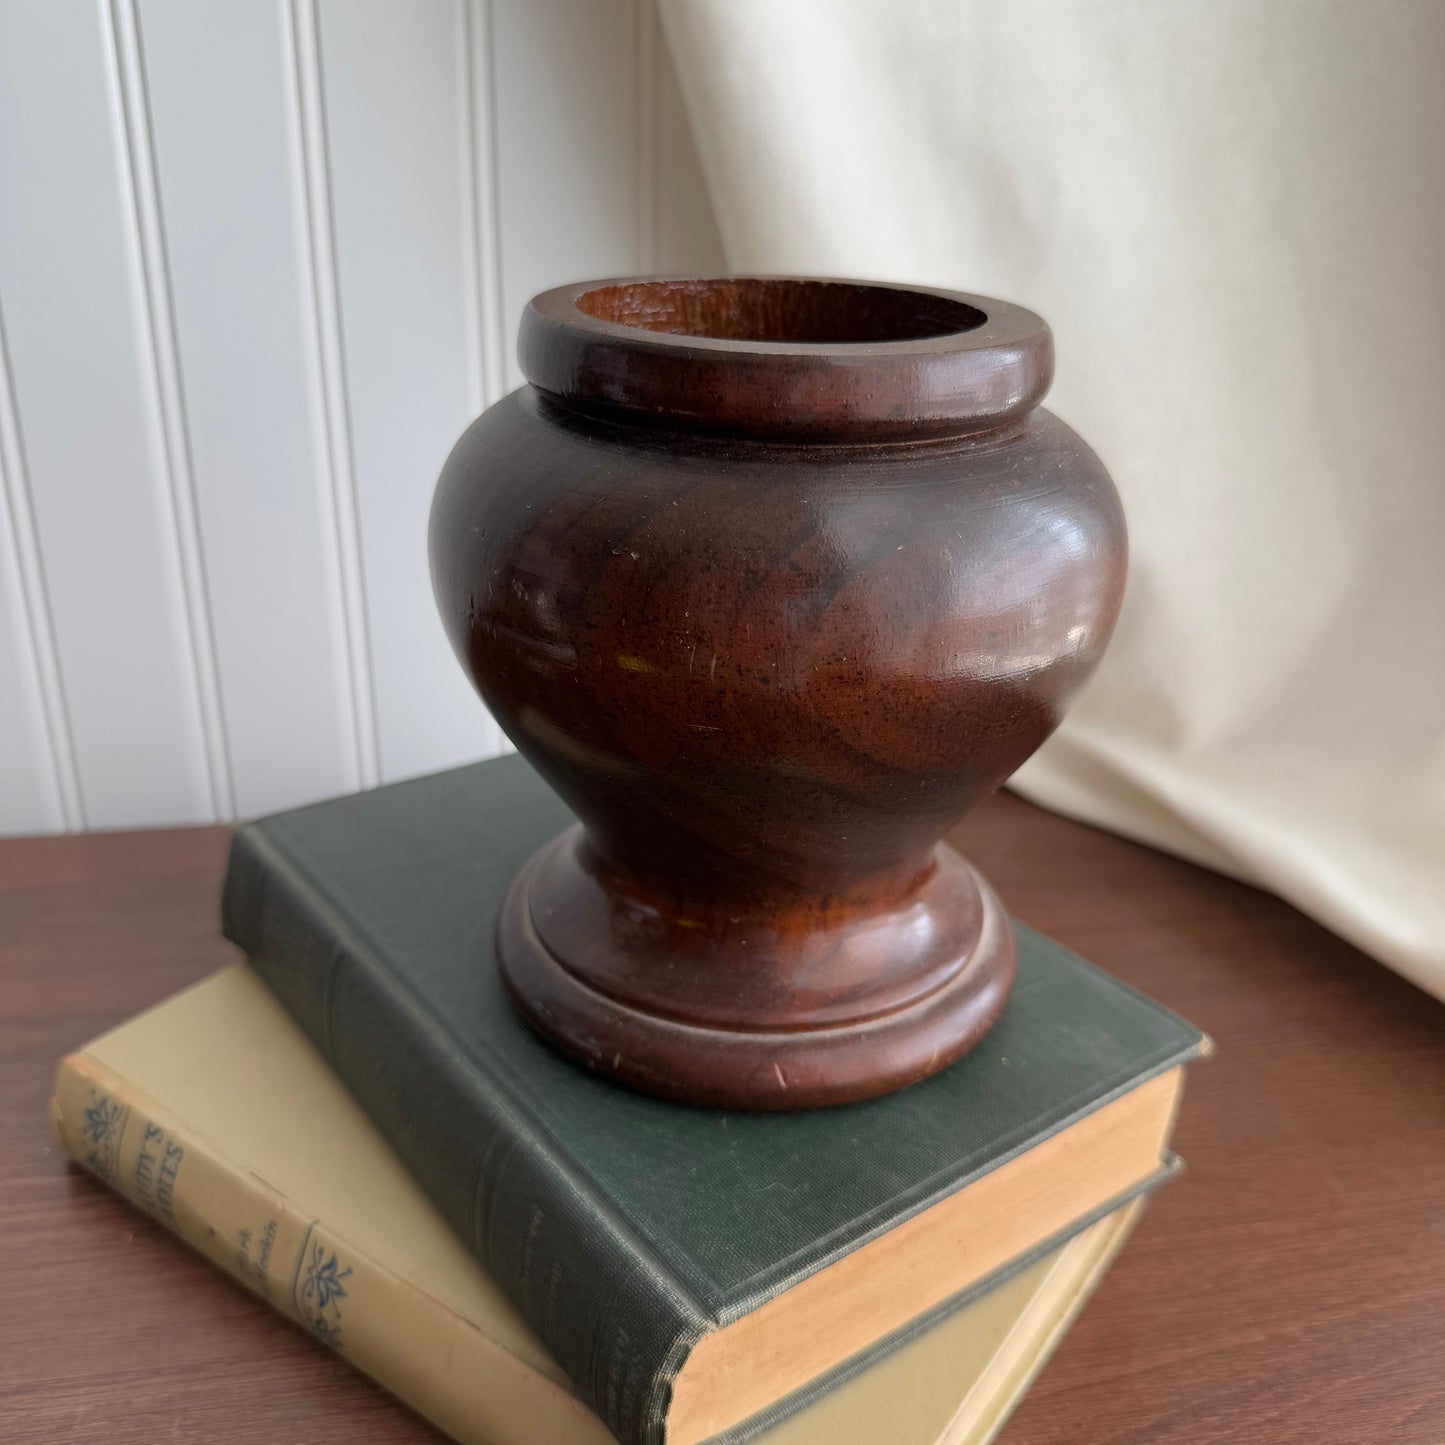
(1289, 1288)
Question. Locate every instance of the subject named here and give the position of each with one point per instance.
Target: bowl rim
(978, 377)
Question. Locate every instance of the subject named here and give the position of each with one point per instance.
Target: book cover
(214, 1114)
(687, 1267)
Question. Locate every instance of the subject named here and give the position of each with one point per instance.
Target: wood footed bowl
(772, 579)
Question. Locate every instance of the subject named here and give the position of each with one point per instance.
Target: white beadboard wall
(260, 262)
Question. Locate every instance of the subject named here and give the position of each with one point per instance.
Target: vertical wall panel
(84, 373)
(567, 146)
(30, 794)
(29, 799)
(398, 127)
(260, 263)
(218, 77)
(686, 235)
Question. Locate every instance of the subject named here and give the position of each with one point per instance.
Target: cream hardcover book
(213, 1113)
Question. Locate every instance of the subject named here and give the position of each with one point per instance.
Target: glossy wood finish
(1286, 1289)
(772, 609)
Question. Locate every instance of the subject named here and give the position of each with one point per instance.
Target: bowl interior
(789, 311)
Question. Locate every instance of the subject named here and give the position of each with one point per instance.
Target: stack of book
(356, 1125)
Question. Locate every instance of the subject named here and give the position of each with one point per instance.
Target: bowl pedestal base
(766, 1011)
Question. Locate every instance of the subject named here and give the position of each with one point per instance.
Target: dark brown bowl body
(772, 580)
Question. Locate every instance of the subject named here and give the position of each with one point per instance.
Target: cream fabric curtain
(1233, 215)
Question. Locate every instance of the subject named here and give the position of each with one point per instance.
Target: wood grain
(1286, 1290)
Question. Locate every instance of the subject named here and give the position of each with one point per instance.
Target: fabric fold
(1232, 217)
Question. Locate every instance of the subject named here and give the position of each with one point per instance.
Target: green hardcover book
(695, 1272)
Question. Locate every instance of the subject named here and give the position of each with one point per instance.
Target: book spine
(407, 1341)
(605, 1306)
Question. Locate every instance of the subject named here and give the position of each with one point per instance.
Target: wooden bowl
(772, 579)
